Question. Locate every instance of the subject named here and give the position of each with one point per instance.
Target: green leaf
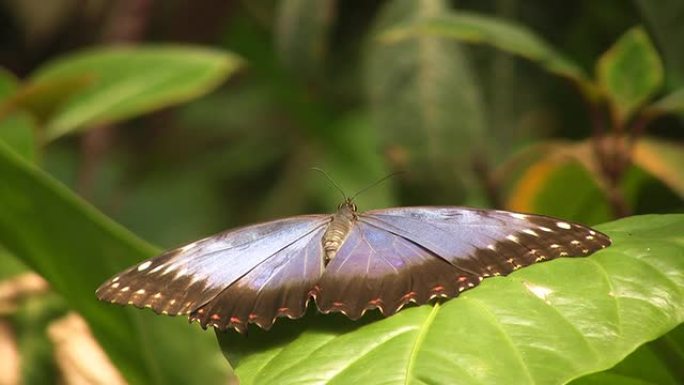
(128, 81)
(672, 103)
(656, 363)
(545, 324)
(76, 248)
(43, 98)
(18, 130)
(503, 34)
(664, 21)
(8, 84)
(302, 33)
(425, 101)
(630, 72)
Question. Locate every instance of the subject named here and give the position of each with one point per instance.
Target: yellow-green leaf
(630, 73)
(662, 159)
(128, 81)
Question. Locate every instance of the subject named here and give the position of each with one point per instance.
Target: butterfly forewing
(181, 280)
(488, 242)
(277, 287)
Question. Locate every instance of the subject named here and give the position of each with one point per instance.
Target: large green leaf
(503, 34)
(76, 248)
(545, 324)
(128, 81)
(425, 101)
(630, 72)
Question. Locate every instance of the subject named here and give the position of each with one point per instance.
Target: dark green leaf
(129, 81)
(656, 363)
(630, 72)
(76, 248)
(18, 131)
(8, 84)
(545, 324)
(425, 101)
(502, 34)
(664, 21)
(301, 34)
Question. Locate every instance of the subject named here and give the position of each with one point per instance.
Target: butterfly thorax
(338, 229)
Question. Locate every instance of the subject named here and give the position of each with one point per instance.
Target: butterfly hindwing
(376, 268)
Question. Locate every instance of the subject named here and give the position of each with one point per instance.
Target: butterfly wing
(375, 268)
(262, 265)
(413, 254)
(278, 287)
(488, 242)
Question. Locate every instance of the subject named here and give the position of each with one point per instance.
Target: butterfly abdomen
(337, 231)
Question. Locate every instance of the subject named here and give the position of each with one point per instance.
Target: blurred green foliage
(178, 119)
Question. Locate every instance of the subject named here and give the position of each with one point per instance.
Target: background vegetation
(178, 119)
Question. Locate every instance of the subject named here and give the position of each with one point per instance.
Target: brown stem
(609, 153)
(127, 23)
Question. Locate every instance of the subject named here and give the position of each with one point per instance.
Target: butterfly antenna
(332, 181)
(377, 182)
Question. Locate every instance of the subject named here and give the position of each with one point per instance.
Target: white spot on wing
(563, 225)
(531, 232)
(187, 247)
(554, 246)
(115, 278)
(592, 232)
(590, 237)
(518, 215)
(125, 289)
(115, 285)
(548, 230)
(575, 242)
(491, 247)
(141, 291)
(144, 265)
(512, 238)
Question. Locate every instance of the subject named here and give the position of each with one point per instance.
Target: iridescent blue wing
(252, 274)
(413, 254)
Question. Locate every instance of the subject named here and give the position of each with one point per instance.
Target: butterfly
(347, 262)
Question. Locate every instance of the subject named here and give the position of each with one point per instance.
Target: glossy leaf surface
(546, 324)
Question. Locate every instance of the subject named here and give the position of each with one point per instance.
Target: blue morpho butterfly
(348, 262)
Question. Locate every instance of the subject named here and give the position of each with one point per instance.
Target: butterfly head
(348, 204)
